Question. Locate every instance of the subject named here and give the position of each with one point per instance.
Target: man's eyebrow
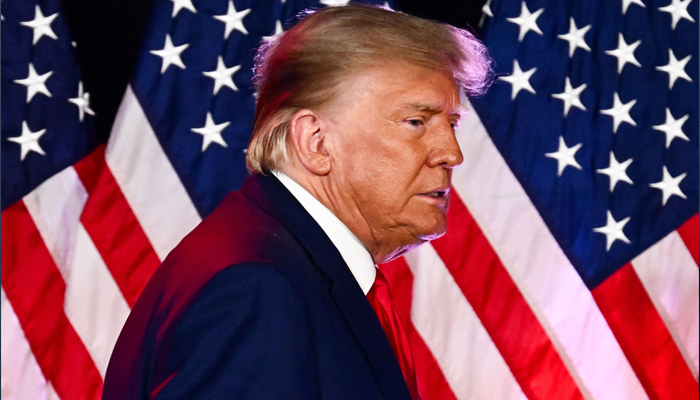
(428, 107)
(435, 108)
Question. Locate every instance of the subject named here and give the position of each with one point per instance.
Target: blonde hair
(303, 67)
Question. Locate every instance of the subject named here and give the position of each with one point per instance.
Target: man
(274, 295)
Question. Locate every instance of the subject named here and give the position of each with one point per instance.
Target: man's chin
(418, 240)
(435, 230)
(433, 236)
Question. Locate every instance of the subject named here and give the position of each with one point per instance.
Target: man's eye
(415, 122)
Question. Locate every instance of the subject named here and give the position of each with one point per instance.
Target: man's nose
(446, 152)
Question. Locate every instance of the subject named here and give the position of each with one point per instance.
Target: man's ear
(308, 134)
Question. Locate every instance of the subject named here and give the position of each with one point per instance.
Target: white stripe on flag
(468, 358)
(538, 266)
(93, 304)
(149, 183)
(22, 378)
(671, 277)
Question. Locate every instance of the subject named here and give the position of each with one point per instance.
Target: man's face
(394, 150)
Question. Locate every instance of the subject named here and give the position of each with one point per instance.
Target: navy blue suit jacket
(255, 303)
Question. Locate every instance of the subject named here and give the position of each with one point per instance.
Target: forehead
(401, 87)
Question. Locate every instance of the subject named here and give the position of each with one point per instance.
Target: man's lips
(440, 193)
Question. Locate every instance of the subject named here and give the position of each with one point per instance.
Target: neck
(381, 246)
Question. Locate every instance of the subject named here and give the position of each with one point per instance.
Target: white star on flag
(575, 37)
(672, 128)
(678, 9)
(620, 112)
(211, 132)
(233, 19)
(519, 79)
(616, 171)
(527, 21)
(669, 186)
(35, 83)
(613, 231)
(675, 69)
(571, 96)
(624, 53)
(278, 31)
(170, 54)
(180, 4)
(222, 76)
(565, 156)
(41, 25)
(485, 12)
(626, 3)
(486, 9)
(83, 102)
(28, 140)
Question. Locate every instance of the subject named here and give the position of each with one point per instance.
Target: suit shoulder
(236, 234)
(237, 231)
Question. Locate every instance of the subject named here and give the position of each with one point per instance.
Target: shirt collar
(349, 246)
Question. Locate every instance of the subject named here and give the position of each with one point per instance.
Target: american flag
(570, 269)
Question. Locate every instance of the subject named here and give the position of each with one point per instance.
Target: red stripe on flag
(113, 227)
(513, 327)
(36, 290)
(689, 232)
(431, 382)
(643, 337)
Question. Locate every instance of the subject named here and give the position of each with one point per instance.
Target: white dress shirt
(349, 246)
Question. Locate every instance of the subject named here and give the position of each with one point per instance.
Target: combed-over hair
(303, 67)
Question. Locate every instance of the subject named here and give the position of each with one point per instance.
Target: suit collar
(275, 199)
(354, 253)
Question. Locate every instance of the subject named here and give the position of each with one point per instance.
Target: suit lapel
(274, 198)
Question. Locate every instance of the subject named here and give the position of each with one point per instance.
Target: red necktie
(379, 297)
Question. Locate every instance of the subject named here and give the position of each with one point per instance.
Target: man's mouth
(438, 194)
